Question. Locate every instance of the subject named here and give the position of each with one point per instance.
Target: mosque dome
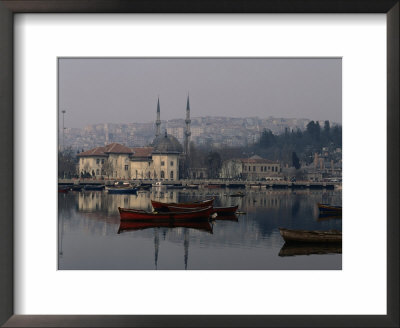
(167, 144)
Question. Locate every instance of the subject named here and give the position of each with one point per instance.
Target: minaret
(158, 121)
(187, 132)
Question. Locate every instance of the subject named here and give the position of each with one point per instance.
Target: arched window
(162, 175)
(171, 175)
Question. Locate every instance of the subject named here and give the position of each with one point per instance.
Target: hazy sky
(126, 90)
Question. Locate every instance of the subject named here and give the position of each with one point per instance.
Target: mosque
(160, 161)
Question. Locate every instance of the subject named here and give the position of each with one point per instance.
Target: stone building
(253, 168)
(160, 161)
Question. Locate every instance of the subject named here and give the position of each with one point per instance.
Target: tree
(108, 168)
(213, 164)
(267, 139)
(295, 161)
(66, 163)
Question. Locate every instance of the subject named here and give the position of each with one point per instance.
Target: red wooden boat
(230, 210)
(132, 214)
(140, 225)
(164, 206)
(63, 189)
(219, 210)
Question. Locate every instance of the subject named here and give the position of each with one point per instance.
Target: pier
(216, 183)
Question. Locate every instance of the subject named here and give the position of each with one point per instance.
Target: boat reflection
(309, 249)
(140, 225)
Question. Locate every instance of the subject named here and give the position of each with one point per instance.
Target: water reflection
(248, 241)
(135, 225)
(309, 249)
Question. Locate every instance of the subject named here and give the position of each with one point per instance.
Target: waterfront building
(253, 168)
(159, 161)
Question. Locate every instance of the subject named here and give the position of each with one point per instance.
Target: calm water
(90, 235)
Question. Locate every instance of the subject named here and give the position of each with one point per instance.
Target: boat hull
(221, 211)
(309, 236)
(122, 190)
(89, 187)
(325, 208)
(164, 206)
(132, 214)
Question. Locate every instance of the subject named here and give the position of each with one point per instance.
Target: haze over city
(124, 90)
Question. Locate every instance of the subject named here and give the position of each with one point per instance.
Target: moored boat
(130, 190)
(140, 225)
(133, 214)
(219, 210)
(63, 189)
(160, 206)
(237, 194)
(326, 208)
(76, 187)
(192, 186)
(311, 236)
(225, 210)
(93, 187)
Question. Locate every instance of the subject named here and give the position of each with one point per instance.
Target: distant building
(253, 168)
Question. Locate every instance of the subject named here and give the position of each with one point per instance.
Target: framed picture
(61, 70)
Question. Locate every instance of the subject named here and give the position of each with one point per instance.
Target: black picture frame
(7, 10)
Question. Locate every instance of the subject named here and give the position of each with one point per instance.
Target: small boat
(93, 187)
(213, 186)
(145, 186)
(120, 190)
(175, 186)
(192, 186)
(132, 214)
(220, 211)
(76, 187)
(309, 249)
(225, 210)
(237, 194)
(164, 206)
(140, 225)
(311, 236)
(326, 208)
(63, 189)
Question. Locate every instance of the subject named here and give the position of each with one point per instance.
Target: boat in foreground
(133, 214)
(164, 206)
(221, 211)
(311, 236)
(326, 208)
